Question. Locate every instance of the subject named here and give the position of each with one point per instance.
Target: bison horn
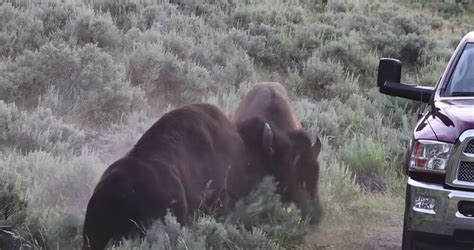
(317, 146)
(268, 139)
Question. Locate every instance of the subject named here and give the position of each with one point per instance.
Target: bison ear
(317, 145)
(267, 139)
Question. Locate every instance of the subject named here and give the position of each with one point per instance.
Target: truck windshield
(462, 79)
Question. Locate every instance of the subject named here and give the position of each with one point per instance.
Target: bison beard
(180, 163)
(286, 147)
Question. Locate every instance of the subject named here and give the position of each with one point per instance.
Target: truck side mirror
(390, 70)
(388, 81)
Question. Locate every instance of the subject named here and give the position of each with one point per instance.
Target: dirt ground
(384, 231)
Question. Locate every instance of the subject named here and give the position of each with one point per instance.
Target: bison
(286, 148)
(192, 158)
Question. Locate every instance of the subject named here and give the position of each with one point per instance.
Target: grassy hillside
(80, 81)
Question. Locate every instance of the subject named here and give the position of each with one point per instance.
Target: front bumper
(445, 218)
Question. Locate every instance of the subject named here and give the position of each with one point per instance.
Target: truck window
(462, 79)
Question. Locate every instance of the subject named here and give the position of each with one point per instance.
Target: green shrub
(383, 40)
(54, 182)
(325, 118)
(358, 22)
(20, 31)
(340, 189)
(311, 37)
(37, 130)
(184, 69)
(327, 80)
(350, 52)
(337, 187)
(266, 45)
(431, 73)
(404, 25)
(394, 110)
(270, 225)
(21, 227)
(237, 70)
(205, 233)
(181, 46)
(13, 209)
(367, 159)
(254, 239)
(340, 5)
(270, 26)
(157, 13)
(245, 16)
(165, 76)
(98, 29)
(228, 98)
(32, 73)
(345, 87)
(101, 81)
(62, 230)
(17, 227)
(319, 75)
(87, 79)
(413, 48)
(404, 36)
(262, 208)
(55, 16)
(437, 24)
(448, 8)
(121, 11)
(213, 11)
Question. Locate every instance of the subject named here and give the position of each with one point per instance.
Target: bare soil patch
(382, 231)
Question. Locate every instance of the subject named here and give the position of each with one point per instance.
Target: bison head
(289, 156)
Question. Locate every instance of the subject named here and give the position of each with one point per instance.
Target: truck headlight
(430, 156)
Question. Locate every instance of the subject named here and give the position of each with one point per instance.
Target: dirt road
(383, 232)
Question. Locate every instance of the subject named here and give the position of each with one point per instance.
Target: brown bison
(286, 148)
(181, 163)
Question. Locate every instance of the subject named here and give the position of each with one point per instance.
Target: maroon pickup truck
(439, 203)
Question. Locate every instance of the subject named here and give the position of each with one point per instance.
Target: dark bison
(190, 159)
(286, 148)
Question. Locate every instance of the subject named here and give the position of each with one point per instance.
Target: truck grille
(460, 172)
(469, 147)
(466, 171)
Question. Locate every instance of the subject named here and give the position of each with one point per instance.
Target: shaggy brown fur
(187, 161)
(289, 155)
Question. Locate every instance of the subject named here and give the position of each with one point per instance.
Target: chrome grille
(469, 147)
(460, 172)
(466, 171)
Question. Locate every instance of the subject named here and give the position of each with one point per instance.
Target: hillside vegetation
(80, 81)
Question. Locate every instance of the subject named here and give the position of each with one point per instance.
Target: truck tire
(408, 237)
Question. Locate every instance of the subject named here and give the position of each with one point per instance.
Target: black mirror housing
(388, 81)
(390, 70)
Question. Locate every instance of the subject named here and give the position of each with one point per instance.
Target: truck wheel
(408, 237)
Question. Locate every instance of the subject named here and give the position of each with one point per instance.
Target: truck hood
(451, 117)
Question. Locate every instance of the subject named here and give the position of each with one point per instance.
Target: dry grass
(375, 222)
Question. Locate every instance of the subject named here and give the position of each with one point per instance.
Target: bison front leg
(173, 198)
